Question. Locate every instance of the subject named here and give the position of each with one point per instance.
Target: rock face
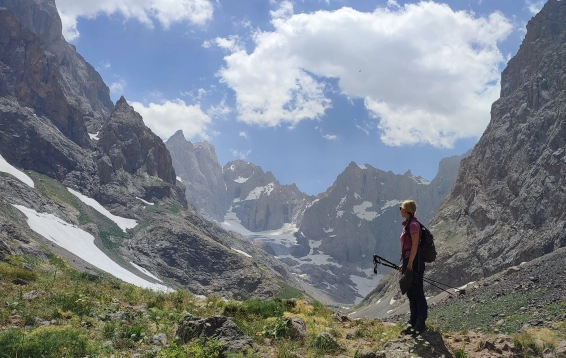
(359, 215)
(130, 155)
(259, 200)
(198, 167)
(50, 98)
(508, 204)
(79, 82)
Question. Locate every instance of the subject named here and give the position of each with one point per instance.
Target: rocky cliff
(508, 203)
(198, 167)
(259, 200)
(359, 215)
(120, 189)
(79, 82)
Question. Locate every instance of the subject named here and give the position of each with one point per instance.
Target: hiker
(410, 237)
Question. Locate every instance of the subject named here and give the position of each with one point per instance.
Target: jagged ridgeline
(327, 239)
(86, 179)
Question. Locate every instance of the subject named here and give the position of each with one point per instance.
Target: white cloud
(392, 3)
(118, 87)
(166, 12)
(534, 6)
(240, 154)
(231, 44)
(166, 118)
(219, 111)
(330, 136)
(244, 134)
(106, 65)
(285, 10)
(423, 60)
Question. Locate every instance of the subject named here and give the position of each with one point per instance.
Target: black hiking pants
(416, 296)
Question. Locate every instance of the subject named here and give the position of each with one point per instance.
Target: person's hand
(410, 265)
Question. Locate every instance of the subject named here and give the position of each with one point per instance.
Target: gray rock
(217, 327)
(296, 328)
(159, 338)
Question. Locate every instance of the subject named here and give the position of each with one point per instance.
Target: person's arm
(414, 249)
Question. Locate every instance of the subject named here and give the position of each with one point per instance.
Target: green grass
(48, 342)
(288, 292)
(472, 314)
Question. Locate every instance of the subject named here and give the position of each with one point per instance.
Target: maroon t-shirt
(406, 242)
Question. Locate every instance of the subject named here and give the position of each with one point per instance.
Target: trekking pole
(443, 284)
(440, 288)
(378, 260)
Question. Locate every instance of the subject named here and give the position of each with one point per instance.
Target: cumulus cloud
(428, 74)
(330, 136)
(219, 111)
(240, 154)
(243, 134)
(534, 6)
(118, 87)
(167, 117)
(166, 12)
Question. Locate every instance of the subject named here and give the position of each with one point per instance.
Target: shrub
(77, 303)
(325, 343)
(14, 272)
(48, 342)
(264, 309)
(205, 348)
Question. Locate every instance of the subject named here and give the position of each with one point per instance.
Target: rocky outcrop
(508, 204)
(32, 75)
(198, 167)
(216, 327)
(359, 215)
(130, 155)
(81, 85)
(259, 200)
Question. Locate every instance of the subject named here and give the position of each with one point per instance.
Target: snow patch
(10, 169)
(360, 211)
(365, 285)
(241, 180)
(363, 166)
(241, 252)
(179, 179)
(328, 230)
(339, 214)
(81, 244)
(145, 271)
(390, 204)
(237, 200)
(94, 136)
(256, 193)
(123, 223)
(419, 180)
(357, 196)
(392, 301)
(342, 201)
(143, 201)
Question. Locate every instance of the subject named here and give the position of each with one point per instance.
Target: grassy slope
(100, 316)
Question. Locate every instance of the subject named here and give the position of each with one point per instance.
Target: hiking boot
(420, 326)
(409, 328)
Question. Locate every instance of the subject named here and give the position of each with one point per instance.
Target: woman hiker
(410, 237)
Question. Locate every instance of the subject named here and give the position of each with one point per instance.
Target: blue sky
(304, 87)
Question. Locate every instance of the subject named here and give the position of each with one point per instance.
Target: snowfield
(10, 169)
(81, 244)
(123, 223)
